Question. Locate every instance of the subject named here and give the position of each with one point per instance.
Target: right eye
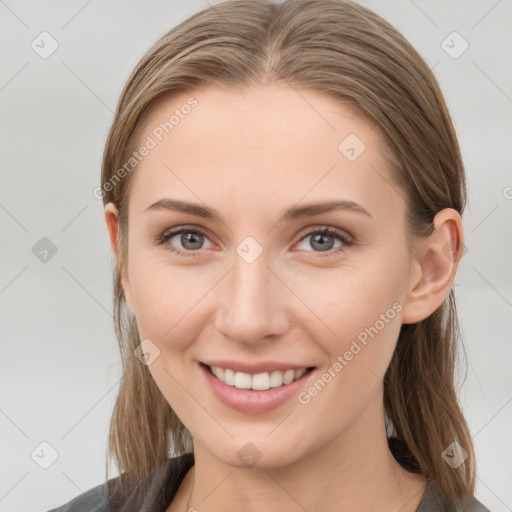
(191, 240)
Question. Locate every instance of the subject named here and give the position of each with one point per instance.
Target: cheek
(353, 296)
(167, 298)
(357, 311)
(362, 312)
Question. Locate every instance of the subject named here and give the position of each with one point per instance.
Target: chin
(263, 454)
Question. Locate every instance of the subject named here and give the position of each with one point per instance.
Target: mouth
(261, 381)
(255, 393)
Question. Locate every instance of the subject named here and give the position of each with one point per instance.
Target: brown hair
(344, 50)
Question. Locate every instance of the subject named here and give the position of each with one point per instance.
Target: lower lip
(252, 401)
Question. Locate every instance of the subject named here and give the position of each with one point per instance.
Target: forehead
(260, 146)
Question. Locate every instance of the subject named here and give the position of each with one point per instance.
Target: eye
(191, 240)
(323, 240)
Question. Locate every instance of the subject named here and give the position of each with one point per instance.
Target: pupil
(320, 239)
(192, 238)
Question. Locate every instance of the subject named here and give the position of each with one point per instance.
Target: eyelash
(167, 235)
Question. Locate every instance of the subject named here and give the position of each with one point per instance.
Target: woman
(283, 192)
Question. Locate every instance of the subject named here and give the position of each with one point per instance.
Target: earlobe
(438, 257)
(111, 219)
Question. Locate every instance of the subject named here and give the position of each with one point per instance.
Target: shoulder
(153, 494)
(431, 502)
(92, 500)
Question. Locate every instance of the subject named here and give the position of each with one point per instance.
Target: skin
(250, 154)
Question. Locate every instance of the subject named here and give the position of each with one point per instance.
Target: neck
(354, 472)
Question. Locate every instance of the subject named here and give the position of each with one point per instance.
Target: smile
(259, 381)
(260, 388)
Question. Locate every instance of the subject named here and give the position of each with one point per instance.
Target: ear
(437, 258)
(111, 219)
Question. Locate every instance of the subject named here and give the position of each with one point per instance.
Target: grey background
(59, 364)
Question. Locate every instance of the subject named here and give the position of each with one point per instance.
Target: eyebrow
(293, 213)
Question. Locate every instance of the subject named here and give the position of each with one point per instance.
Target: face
(254, 289)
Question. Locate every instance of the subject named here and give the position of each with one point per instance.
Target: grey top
(171, 474)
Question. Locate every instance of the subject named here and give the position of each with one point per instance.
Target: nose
(251, 302)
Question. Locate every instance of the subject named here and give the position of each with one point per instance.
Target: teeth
(299, 373)
(288, 376)
(243, 380)
(276, 379)
(258, 381)
(228, 378)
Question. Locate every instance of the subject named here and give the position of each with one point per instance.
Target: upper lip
(261, 367)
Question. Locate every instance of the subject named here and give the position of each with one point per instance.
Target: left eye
(323, 240)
